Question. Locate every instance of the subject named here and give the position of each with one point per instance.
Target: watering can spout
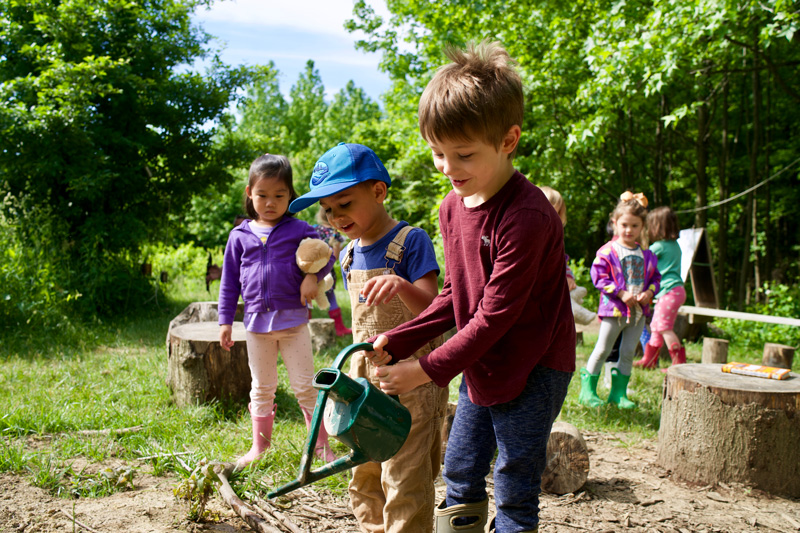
(371, 423)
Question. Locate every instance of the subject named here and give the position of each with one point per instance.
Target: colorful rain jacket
(609, 279)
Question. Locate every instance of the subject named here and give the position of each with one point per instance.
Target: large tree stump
(323, 333)
(200, 312)
(567, 460)
(715, 350)
(778, 355)
(719, 427)
(198, 369)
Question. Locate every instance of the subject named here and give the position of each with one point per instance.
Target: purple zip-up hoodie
(609, 279)
(265, 274)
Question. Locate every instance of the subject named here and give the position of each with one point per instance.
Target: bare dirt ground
(626, 491)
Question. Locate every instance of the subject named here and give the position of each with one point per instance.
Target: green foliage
(102, 124)
(197, 488)
(35, 297)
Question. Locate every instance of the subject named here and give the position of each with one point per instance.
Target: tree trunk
(658, 162)
(701, 151)
(718, 427)
(722, 232)
(750, 229)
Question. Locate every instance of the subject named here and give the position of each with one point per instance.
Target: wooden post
(719, 427)
(567, 460)
(715, 350)
(778, 355)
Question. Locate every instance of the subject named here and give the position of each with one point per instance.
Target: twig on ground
(79, 524)
(251, 518)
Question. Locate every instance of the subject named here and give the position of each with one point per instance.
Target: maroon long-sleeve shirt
(505, 290)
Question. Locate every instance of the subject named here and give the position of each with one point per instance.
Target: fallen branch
(251, 518)
(75, 521)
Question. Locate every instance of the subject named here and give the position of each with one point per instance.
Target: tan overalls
(396, 496)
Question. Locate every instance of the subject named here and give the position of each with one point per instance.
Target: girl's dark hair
(662, 224)
(269, 166)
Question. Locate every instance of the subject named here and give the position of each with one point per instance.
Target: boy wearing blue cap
(390, 270)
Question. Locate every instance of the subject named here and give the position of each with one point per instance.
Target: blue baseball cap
(340, 168)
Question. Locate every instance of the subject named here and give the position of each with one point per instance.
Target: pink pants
(294, 345)
(665, 313)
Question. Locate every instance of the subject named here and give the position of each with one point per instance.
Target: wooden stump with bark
(198, 369)
(715, 351)
(719, 427)
(778, 355)
(200, 312)
(567, 460)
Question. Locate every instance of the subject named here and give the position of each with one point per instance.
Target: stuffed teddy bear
(312, 255)
(582, 315)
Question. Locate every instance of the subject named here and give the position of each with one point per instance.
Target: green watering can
(371, 423)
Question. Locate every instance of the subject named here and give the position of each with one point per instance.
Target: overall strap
(396, 248)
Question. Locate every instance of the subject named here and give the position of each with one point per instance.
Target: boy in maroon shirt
(505, 290)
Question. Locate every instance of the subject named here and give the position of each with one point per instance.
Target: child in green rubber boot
(627, 278)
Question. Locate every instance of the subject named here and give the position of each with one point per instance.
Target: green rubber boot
(588, 394)
(451, 519)
(619, 390)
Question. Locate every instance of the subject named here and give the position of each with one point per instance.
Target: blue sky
(290, 32)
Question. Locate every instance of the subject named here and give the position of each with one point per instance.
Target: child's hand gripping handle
(338, 363)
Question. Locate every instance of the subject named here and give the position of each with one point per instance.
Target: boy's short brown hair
(477, 96)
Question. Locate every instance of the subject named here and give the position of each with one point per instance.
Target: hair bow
(639, 197)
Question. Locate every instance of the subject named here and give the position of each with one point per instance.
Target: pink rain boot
(321, 449)
(262, 436)
(338, 323)
(650, 359)
(678, 355)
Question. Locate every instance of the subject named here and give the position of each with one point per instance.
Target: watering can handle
(347, 351)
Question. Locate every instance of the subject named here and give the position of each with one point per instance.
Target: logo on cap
(320, 173)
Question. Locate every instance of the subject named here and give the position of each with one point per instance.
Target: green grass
(50, 394)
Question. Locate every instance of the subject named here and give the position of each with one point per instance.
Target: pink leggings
(294, 345)
(665, 313)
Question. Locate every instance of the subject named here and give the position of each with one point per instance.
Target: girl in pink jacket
(627, 277)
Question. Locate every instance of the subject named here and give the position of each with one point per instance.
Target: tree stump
(567, 460)
(778, 355)
(715, 351)
(199, 370)
(719, 427)
(200, 312)
(323, 333)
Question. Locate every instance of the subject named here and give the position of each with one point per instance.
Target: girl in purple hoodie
(260, 266)
(627, 278)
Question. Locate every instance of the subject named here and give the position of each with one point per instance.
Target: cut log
(719, 427)
(778, 355)
(715, 351)
(567, 460)
(199, 370)
(323, 333)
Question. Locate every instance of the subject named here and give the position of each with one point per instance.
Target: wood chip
(794, 523)
(717, 497)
